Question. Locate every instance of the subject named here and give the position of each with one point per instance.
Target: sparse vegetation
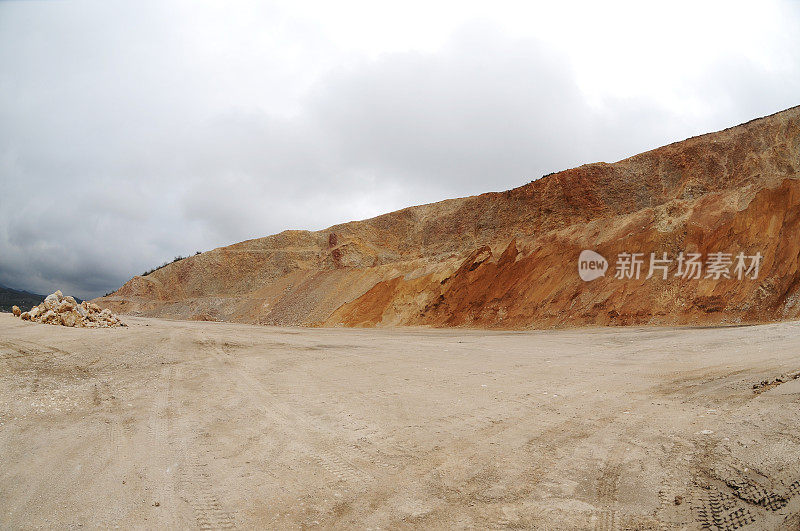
(165, 264)
(543, 176)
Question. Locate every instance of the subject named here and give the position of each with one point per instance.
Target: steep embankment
(510, 259)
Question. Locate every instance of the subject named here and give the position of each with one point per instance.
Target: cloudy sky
(132, 132)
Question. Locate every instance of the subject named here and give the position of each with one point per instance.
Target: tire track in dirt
(751, 490)
(742, 495)
(608, 489)
(116, 443)
(197, 483)
(553, 437)
(306, 433)
(674, 511)
(164, 447)
(508, 518)
(194, 481)
(115, 439)
(29, 350)
(725, 494)
(720, 511)
(719, 491)
(357, 466)
(360, 465)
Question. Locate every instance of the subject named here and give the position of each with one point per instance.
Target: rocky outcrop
(510, 259)
(65, 311)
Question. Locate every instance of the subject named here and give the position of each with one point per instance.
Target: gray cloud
(129, 135)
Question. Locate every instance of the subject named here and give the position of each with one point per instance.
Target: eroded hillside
(510, 259)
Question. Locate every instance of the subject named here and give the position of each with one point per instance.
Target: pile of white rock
(65, 311)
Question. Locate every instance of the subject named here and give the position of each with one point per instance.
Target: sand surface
(169, 424)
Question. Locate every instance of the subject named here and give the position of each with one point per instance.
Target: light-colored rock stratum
(509, 259)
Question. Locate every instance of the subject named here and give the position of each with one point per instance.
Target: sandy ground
(181, 424)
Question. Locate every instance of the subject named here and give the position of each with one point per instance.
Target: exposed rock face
(60, 310)
(52, 301)
(510, 259)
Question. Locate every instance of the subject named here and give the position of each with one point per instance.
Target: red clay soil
(510, 259)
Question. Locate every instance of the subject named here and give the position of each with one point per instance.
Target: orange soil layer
(509, 259)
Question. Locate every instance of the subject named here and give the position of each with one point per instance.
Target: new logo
(591, 265)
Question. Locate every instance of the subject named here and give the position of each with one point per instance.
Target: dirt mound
(65, 311)
(728, 202)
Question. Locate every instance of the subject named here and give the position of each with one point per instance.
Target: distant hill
(25, 300)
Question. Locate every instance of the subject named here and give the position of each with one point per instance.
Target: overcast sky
(133, 132)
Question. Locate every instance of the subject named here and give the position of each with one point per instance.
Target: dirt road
(182, 424)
